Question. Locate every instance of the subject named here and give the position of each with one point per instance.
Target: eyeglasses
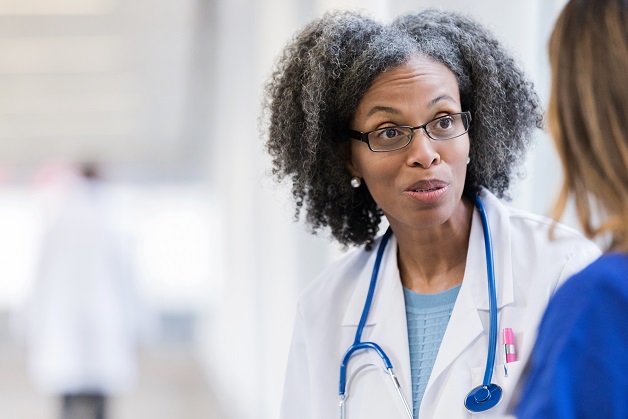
(393, 138)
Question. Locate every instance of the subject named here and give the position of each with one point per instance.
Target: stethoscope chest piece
(483, 398)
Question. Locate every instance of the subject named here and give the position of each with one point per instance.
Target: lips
(428, 192)
(428, 185)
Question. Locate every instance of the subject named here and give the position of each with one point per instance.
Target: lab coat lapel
(386, 324)
(499, 222)
(465, 324)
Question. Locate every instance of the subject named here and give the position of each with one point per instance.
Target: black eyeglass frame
(364, 136)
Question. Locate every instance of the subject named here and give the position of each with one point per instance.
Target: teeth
(426, 190)
(437, 188)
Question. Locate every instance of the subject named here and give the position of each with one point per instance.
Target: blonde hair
(588, 114)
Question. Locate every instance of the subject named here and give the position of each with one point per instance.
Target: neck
(433, 260)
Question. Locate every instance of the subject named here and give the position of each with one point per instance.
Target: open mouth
(428, 191)
(431, 185)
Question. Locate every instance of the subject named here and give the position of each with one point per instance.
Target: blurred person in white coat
(82, 321)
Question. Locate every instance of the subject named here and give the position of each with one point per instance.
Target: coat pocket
(507, 380)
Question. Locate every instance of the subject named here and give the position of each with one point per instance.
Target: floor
(171, 386)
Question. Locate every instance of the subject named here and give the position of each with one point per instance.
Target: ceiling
(122, 82)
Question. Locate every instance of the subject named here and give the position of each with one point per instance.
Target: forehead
(420, 74)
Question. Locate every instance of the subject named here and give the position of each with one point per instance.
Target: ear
(345, 152)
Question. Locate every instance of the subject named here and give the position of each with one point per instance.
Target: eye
(390, 133)
(444, 123)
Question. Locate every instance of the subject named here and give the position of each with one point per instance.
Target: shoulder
(540, 250)
(536, 223)
(552, 241)
(337, 281)
(536, 234)
(592, 298)
(590, 307)
(610, 265)
(541, 228)
(551, 233)
(584, 326)
(607, 276)
(579, 351)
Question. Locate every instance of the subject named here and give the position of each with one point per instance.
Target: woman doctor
(424, 122)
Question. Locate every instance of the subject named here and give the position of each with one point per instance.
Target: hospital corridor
(150, 265)
(170, 385)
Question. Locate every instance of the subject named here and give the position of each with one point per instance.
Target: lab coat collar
(388, 283)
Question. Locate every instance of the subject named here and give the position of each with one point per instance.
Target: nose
(422, 151)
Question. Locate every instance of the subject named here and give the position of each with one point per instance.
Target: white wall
(267, 258)
(264, 251)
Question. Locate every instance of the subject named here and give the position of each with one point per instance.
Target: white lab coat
(528, 268)
(82, 316)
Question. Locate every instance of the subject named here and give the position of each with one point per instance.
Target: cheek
(356, 163)
(457, 161)
(460, 155)
(375, 168)
(362, 160)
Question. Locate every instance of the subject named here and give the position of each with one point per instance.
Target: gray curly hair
(322, 75)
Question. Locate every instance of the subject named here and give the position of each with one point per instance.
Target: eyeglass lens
(442, 128)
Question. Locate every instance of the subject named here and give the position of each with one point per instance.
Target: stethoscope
(481, 398)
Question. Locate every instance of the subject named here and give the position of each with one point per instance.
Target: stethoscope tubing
(371, 292)
(358, 344)
(492, 293)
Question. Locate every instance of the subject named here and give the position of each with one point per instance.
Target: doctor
(423, 122)
(83, 315)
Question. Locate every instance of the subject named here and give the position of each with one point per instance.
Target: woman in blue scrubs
(579, 367)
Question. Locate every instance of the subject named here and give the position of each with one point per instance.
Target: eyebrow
(386, 109)
(393, 111)
(440, 99)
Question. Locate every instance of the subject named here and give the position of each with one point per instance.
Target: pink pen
(508, 337)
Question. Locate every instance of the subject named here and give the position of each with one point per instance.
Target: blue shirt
(579, 366)
(427, 316)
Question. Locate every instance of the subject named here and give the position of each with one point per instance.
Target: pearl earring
(356, 182)
(468, 160)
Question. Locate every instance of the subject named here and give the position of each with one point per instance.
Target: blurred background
(163, 97)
